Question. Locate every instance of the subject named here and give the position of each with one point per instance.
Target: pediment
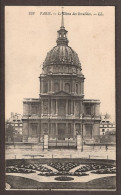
(62, 93)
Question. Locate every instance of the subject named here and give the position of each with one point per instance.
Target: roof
(62, 54)
(93, 101)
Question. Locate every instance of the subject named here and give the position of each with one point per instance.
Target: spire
(62, 39)
(62, 20)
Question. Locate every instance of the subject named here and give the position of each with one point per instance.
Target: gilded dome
(62, 54)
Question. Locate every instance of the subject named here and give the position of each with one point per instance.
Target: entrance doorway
(61, 131)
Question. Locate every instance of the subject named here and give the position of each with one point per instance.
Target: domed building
(61, 117)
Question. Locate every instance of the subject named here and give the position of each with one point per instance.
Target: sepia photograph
(60, 112)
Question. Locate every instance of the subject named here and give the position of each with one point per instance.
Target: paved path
(49, 167)
(39, 178)
(75, 168)
(60, 153)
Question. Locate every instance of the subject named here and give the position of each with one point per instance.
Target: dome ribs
(62, 54)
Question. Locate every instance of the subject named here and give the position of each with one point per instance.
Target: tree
(10, 132)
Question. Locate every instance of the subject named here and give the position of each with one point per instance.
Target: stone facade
(106, 125)
(16, 121)
(61, 115)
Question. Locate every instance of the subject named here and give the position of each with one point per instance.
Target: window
(56, 87)
(45, 106)
(45, 126)
(67, 87)
(103, 130)
(45, 87)
(34, 109)
(54, 106)
(88, 134)
(88, 110)
(34, 129)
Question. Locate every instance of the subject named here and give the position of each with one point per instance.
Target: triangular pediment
(62, 93)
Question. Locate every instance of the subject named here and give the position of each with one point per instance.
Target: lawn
(17, 182)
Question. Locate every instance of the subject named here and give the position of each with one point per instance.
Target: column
(60, 84)
(38, 131)
(74, 129)
(40, 125)
(83, 87)
(51, 106)
(67, 130)
(41, 107)
(66, 106)
(97, 109)
(72, 106)
(51, 85)
(48, 86)
(41, 85)
(56, 107)
(79, 108)
(48, 106)
(94, 110)
(56, 127)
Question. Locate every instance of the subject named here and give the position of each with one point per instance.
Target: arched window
(76, 88)
(67, 87)
(56, 87)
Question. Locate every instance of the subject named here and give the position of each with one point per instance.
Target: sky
(29, 36)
